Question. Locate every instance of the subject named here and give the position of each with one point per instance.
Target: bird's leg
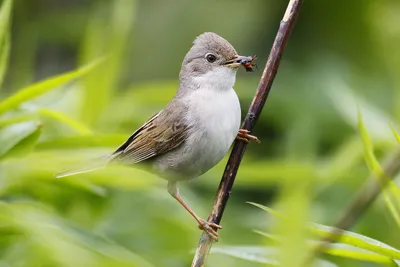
(244, 135)
(203, 225)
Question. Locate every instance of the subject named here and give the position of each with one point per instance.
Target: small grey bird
(197, 127)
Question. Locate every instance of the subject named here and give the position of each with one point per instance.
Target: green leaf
(18, 137)
(5, 14)
(26, 145)
(5, 17)
(4, 55)
(60, 117)
(248, 253)
(62, 241)
(357, 240)
(369, 155)
(258, 254)
(16, 119)
(32, 91)
(345, 237)
(395, 134)
(269, 210)
(345, 251)
(392, 195)
(101, 83)
(84, 141)
(267, 235)
(51, 114)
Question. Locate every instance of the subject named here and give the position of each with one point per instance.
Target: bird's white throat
(220, 78)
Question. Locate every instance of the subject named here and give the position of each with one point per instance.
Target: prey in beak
(237, 61)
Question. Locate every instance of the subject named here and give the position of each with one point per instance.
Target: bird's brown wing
(157, 136)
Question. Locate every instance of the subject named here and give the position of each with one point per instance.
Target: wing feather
(159, 135)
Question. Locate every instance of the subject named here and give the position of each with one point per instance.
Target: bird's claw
(244, 135)
(208, 227)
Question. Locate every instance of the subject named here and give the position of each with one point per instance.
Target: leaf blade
(5, 18)
(396, 135)
(39, 88)
(64, 119)
(4, 56)
(345, 237)
(14, 134)
(258, 254)
(373, 165)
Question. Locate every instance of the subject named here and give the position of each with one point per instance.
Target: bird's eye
(211, 58)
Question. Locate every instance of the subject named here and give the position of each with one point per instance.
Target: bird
(196, 128)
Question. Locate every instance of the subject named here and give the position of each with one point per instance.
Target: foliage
(80, 76)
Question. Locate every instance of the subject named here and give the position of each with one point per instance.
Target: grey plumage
(193, 63)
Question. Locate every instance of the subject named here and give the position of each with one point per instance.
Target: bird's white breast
(214, 110)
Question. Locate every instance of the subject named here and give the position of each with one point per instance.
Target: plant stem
(254, 112)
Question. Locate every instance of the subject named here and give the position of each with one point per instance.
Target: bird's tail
(93, 165)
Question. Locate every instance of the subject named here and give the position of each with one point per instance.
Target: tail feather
(94, 165)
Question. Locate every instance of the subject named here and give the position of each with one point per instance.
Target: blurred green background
(117, 63)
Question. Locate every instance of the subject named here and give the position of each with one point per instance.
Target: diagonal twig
(254, 112)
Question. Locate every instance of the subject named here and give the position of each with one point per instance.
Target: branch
(254, 112)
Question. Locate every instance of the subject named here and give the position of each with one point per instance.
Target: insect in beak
(246, 62)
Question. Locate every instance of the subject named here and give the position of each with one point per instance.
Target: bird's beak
(237, 61)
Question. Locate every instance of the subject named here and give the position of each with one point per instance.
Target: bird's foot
(208, 227)
(244, 135)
